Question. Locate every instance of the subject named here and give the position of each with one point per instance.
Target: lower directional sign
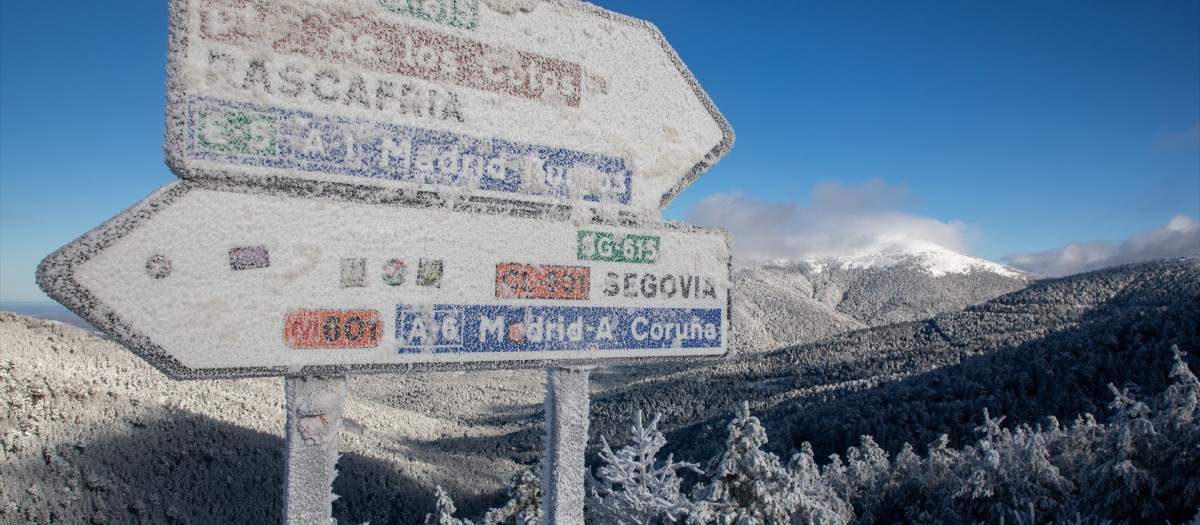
(205, 283)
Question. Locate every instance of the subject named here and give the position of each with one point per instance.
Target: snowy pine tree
(1147, 467)
(868, 476)
(524, 505)
(443, 513)
(1179, 421)
(818, 503)
(1009, 474)
(631, 489)
(749, 486)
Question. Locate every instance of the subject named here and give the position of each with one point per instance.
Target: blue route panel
(251, 135)
(448, 328)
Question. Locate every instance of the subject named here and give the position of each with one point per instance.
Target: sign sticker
(251, 135)
(463, 14)
(450, 328)
(429, 272)
(394, 271)
(549, 281)
(354, 272)
(322, 33)
(631, 248)
(249, 258)
(158, 266)
(332, 329)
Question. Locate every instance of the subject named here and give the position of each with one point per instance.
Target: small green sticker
(463, 14)
(240, 132)
(429, 273)
(604, 246)
(354, 272)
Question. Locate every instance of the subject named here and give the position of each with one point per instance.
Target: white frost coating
(252, 84)
(567, 406)
(314, 418)
(931, 258)
(209, 315)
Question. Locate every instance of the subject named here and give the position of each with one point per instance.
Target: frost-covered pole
(566, 437)
(314, 417)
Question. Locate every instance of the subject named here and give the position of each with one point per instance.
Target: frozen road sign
(205, 283)
(552, 101)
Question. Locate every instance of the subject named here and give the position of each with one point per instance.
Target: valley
(91, 430)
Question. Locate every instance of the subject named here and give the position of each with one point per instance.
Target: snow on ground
(91, 433)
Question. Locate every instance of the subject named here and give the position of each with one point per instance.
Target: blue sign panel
(499, 328)
(246, 134)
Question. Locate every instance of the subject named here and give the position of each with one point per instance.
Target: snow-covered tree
(1148, 466)
(1009, 474)
(1117, 481)
(443, 513)
(1179, 421)
(818, 503)
(749, 486)
(630, 488)
(868, 475)
(524, 506)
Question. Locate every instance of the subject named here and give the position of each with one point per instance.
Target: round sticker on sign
(393, 272)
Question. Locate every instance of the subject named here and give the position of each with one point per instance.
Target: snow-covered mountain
(918, 255)
(786, 302)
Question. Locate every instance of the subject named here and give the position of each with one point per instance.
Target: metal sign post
(567, 407)
(314, 418)
(379, 186)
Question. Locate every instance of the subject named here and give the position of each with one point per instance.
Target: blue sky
(1000, 128)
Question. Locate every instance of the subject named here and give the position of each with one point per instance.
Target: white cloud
(842, 219)
(1187, 139)
(1179, 238)
(872, 195)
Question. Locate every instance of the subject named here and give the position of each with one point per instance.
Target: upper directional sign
(551, 101)
(207, 283)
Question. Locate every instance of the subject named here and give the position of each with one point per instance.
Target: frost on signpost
(566, 438)
(477, 149)
(314, 417)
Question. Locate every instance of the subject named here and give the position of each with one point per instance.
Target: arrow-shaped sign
(558, 101)
(207, 283)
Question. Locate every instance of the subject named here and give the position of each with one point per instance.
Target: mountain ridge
(785, 302)
(1048, 349)
(929, 257)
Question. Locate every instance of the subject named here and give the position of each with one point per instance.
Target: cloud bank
(1179, 238)
(841, 219)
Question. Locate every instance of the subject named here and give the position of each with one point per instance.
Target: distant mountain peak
(928, 257)
(789, 301)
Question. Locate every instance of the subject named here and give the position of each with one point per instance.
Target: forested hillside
(1049, 349)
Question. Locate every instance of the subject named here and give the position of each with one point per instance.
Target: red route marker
(396, 48)
(529, 281)
(332, 329)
